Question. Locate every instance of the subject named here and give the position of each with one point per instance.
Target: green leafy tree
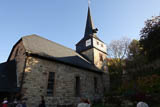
(135, 57)
(134, 49)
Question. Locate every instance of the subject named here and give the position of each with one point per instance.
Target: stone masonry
(36, 78)
(18, 53)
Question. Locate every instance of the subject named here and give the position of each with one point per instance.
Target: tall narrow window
(50, 87)
(95, 85)
(100, 57)
(77, 87)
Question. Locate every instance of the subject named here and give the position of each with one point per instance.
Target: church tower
(90, 46)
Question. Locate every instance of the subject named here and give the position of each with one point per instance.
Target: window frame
(95, 84)
(51, 84)
(77, 86)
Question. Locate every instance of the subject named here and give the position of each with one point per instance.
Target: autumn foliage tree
(139, 58)
(145, 79)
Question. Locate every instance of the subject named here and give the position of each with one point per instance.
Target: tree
(150, 38)
(135, 58)
(117, 52)
(134, 49)
(118, 49)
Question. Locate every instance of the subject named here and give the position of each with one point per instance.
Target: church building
(44, 68)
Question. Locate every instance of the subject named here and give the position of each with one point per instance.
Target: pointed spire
(89, 25)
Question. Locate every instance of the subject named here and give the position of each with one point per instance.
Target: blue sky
(63, 21)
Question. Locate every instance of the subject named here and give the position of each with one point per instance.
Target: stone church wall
(36, 80)
(19, 55)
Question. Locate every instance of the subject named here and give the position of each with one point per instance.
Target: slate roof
(8, 77)
(36, 45)
(89, 24)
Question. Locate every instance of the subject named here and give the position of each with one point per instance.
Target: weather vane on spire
(89, 2)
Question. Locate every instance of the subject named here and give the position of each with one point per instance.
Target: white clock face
(88, 42)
